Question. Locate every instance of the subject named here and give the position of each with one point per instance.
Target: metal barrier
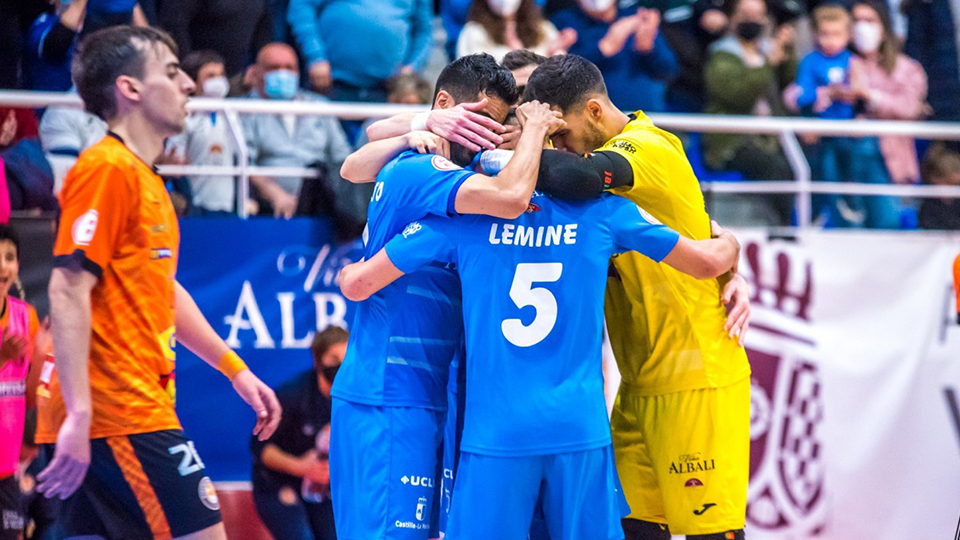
(785, 128)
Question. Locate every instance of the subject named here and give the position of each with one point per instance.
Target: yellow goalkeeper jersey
(666, 327)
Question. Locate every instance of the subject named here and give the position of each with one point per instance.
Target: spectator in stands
(933, 39)
(291, 474)
(16, 125)
(51, 40)
(106, 13)
(64, 133)
(829, 87)
(689, 27)
(235, 29)
(20, 327)
(892, 85)
(825, 90)
(288, 140)
(497, 27)
(635, 59)
(745, 76)
(940, 167)
(206, 140)
(352, 48)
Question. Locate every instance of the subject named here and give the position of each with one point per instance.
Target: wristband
(419, 122)
(230, 364)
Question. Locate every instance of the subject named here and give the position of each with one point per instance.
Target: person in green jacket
(745, 75)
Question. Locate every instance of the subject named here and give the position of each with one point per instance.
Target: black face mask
(329, 372)
(749, 30)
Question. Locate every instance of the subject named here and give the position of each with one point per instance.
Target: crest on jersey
(412, 228)
(441, 163)
(84, 227)
(787, 471)
(533, 207)
(648, 216)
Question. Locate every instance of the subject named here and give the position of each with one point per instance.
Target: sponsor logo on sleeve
(412, 229)
(84, 227)
(626, 146)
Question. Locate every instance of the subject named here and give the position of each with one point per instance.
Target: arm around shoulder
(705, 259)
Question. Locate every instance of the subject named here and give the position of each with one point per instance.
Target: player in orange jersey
(122, 462)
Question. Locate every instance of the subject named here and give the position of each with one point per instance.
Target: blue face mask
(280, 84)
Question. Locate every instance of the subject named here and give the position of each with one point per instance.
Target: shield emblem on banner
(786, 495)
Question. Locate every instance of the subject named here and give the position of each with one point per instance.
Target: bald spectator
(293, 141)
(353, 47)
(235, 29)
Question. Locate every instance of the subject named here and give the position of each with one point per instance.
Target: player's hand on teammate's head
(534, 113)
(510, 138)
(463, 125)
(70, 461)
(263, 401)
(736, 296)
(426, 142)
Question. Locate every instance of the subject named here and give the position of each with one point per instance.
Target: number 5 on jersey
(524, 294)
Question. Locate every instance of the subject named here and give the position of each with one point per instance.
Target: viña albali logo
(787, 484)
(317, 269)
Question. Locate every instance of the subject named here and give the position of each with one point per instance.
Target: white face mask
(596, 6)
(504, 8)
(867, 36)
(216, 87)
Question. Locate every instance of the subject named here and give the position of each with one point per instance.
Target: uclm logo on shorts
(84, 227)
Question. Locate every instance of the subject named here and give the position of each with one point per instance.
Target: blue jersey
(404, 337)
(533, 313)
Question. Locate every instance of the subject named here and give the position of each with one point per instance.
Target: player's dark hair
(467, 77)
(325, 339)
(107, 54)
(522, 58)
(10, 234)
(194, 62)
(565, 81)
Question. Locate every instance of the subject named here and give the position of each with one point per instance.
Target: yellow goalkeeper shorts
(684, 458)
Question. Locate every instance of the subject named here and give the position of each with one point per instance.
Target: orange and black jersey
(118, 224)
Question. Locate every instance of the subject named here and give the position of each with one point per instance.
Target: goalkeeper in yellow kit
(681, 422)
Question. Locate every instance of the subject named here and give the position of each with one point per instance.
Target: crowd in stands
(832, 59)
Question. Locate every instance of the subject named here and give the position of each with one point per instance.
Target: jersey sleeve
(429, 183)
(431, 239)
(634, 229)
(96, 203)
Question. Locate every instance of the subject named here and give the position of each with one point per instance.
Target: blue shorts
(384, 468)
(580, 493)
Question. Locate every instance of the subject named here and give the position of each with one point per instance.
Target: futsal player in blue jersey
(389, 398)
(535, 424)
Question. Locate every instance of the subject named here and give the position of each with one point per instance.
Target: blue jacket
(816, 70)
(365, 41)
(634, 80)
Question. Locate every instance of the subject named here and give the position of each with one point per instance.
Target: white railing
(786, 128)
